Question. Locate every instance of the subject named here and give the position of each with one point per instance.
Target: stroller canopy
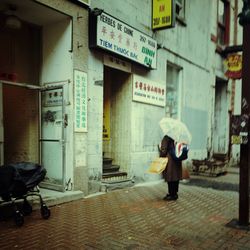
(17, 178)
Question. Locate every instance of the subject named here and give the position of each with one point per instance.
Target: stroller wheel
(45, 212)
(19, 220)
(27, 208)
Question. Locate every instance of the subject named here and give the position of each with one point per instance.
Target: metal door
(1, 126)
(52, 137)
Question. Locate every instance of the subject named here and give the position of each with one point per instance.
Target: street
(134, 218)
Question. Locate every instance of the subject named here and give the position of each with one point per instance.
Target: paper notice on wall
(148, 91)
(80, 101)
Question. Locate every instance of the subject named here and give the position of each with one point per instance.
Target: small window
(180, 9)
(223, 22)
(172, 91)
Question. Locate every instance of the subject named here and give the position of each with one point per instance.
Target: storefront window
(172, 91)
(223, 22)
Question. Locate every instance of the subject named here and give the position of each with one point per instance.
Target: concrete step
(107, 161)
(111, 169)
(115, 175)
(115, 180)
(53, 198)
(50, 198)
(113, 184)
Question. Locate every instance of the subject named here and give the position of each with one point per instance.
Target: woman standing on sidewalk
(173, 172)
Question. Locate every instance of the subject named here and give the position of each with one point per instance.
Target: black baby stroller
(17, 182)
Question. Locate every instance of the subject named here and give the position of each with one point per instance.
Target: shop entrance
(116, 121)
(35, 49)
(32, 128)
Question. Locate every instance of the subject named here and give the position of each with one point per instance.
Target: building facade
(88, 82)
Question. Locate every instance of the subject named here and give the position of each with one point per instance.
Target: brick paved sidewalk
(134, 218)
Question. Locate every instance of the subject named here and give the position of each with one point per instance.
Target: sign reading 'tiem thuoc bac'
(114, 36)
(163, 14)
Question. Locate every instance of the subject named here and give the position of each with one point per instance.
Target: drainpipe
(233, 81)
(235, 41)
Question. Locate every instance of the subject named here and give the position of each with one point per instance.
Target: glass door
(52, 144)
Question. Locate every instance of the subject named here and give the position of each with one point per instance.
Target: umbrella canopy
(175, 129)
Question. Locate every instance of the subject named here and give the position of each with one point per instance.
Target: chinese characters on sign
(52, 98)
(147, 91)
(117, 63)
(119, 38)
(233, 65)
(162, 14)
(80, 84)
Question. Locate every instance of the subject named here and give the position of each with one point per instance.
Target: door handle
(65, 120)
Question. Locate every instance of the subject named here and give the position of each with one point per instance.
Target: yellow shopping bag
(158, 165)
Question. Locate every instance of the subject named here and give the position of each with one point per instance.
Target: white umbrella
(175, 129)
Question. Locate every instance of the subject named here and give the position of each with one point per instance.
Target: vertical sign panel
(80, 84)
(163, 14)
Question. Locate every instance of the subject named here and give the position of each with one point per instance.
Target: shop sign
(233, 65)
(80, 85)
(52, 98)
(148, 91)
(117, 63)
(163, 14)
(239, 129)
(115, 36)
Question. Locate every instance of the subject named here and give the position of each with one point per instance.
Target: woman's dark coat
(173, 171)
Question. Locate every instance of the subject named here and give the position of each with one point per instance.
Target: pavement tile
(134, 218)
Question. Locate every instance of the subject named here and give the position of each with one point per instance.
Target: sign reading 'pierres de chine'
(120, 38)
